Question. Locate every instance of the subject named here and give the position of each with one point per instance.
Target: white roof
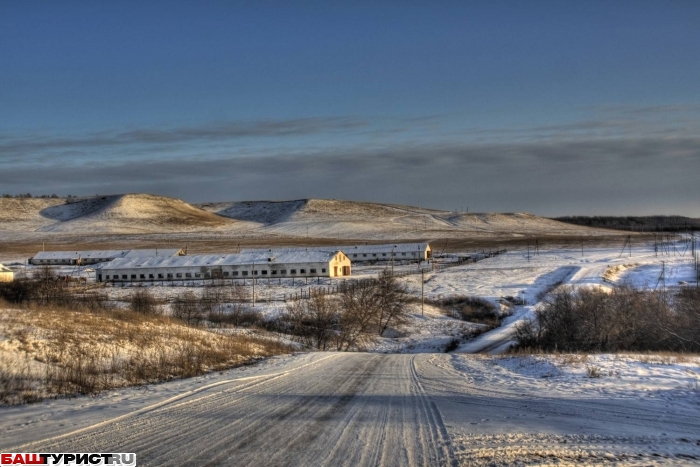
(350, 249)
(262, 257)
(106, 254)
(4, 268)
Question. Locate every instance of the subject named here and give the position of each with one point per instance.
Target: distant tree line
(636, 223)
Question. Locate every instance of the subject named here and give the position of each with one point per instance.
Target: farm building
(57, 258)
(6, 274)
(386, 252)
(283, 264)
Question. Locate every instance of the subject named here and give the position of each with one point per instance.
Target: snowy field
(513, 274)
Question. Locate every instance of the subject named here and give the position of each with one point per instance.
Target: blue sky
(547, 107)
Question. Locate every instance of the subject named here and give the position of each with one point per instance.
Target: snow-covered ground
(374, 409)
(512, 274)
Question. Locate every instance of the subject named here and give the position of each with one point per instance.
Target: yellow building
(6, 274)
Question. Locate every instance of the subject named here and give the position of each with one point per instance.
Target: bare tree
(186, 307)
(394, 302)
(359, 307)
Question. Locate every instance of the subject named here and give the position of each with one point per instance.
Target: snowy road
(375, 409)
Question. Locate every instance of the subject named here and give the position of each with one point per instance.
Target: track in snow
(349, 409)
(386, 410)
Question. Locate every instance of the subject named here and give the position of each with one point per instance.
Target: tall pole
(422, 293)
(253, 283)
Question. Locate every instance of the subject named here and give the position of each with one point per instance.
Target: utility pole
(253, 283)
(528, 252)
(422, 293)
(581, 247)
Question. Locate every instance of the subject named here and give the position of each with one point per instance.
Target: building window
(364, 255)
(150, 276)
(196, 274)
(302, 271)
(133, 276)
(313, 271)
(225, 273)
(374, 255)
(403, 254)
(383, 254)
(235, 273)
(255, 273)
(264, 273)
(293, 271)
(170, 276)
(188, 274)
(124, 276)
(106, 277)
(323, 270)
(354, 255)
(274, 273)
(245, 273)
(179, 274)
(142, 276)
(283, 271)
(160, 276)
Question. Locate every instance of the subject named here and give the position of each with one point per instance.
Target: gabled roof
(263, 257)
(106, 254)
(350, 249)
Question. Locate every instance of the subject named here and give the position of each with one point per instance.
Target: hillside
(318, 218)
(313, 218)
(117, 214)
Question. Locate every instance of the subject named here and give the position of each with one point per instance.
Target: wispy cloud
(36, 143)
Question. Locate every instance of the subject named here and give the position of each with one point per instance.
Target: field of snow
(375, 409)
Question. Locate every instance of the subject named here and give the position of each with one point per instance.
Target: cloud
(33, 144)
(631, 175)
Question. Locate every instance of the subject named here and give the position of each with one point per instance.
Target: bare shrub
(142, 301)
(312, 321)
(472, 309)
(186, 307)
(625, 319)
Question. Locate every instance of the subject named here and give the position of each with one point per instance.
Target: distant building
(58, 258)
(261, 264)
(363, 253)
(6, 274)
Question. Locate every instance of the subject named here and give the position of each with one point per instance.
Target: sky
(553, 108)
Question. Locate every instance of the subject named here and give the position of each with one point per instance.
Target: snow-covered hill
(314, 218)
(132, 213)
(319, 218)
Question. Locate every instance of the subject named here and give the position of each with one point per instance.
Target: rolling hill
(117, 214)
(321, 218)
(313, 218)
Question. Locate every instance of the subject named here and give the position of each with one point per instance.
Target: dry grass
(52, 352)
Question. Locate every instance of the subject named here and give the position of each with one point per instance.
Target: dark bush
(624, 319)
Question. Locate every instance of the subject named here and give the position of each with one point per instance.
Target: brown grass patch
(51, 352)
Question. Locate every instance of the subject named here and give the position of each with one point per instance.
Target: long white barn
(288, 264)
(362, 253)
(57, 258)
